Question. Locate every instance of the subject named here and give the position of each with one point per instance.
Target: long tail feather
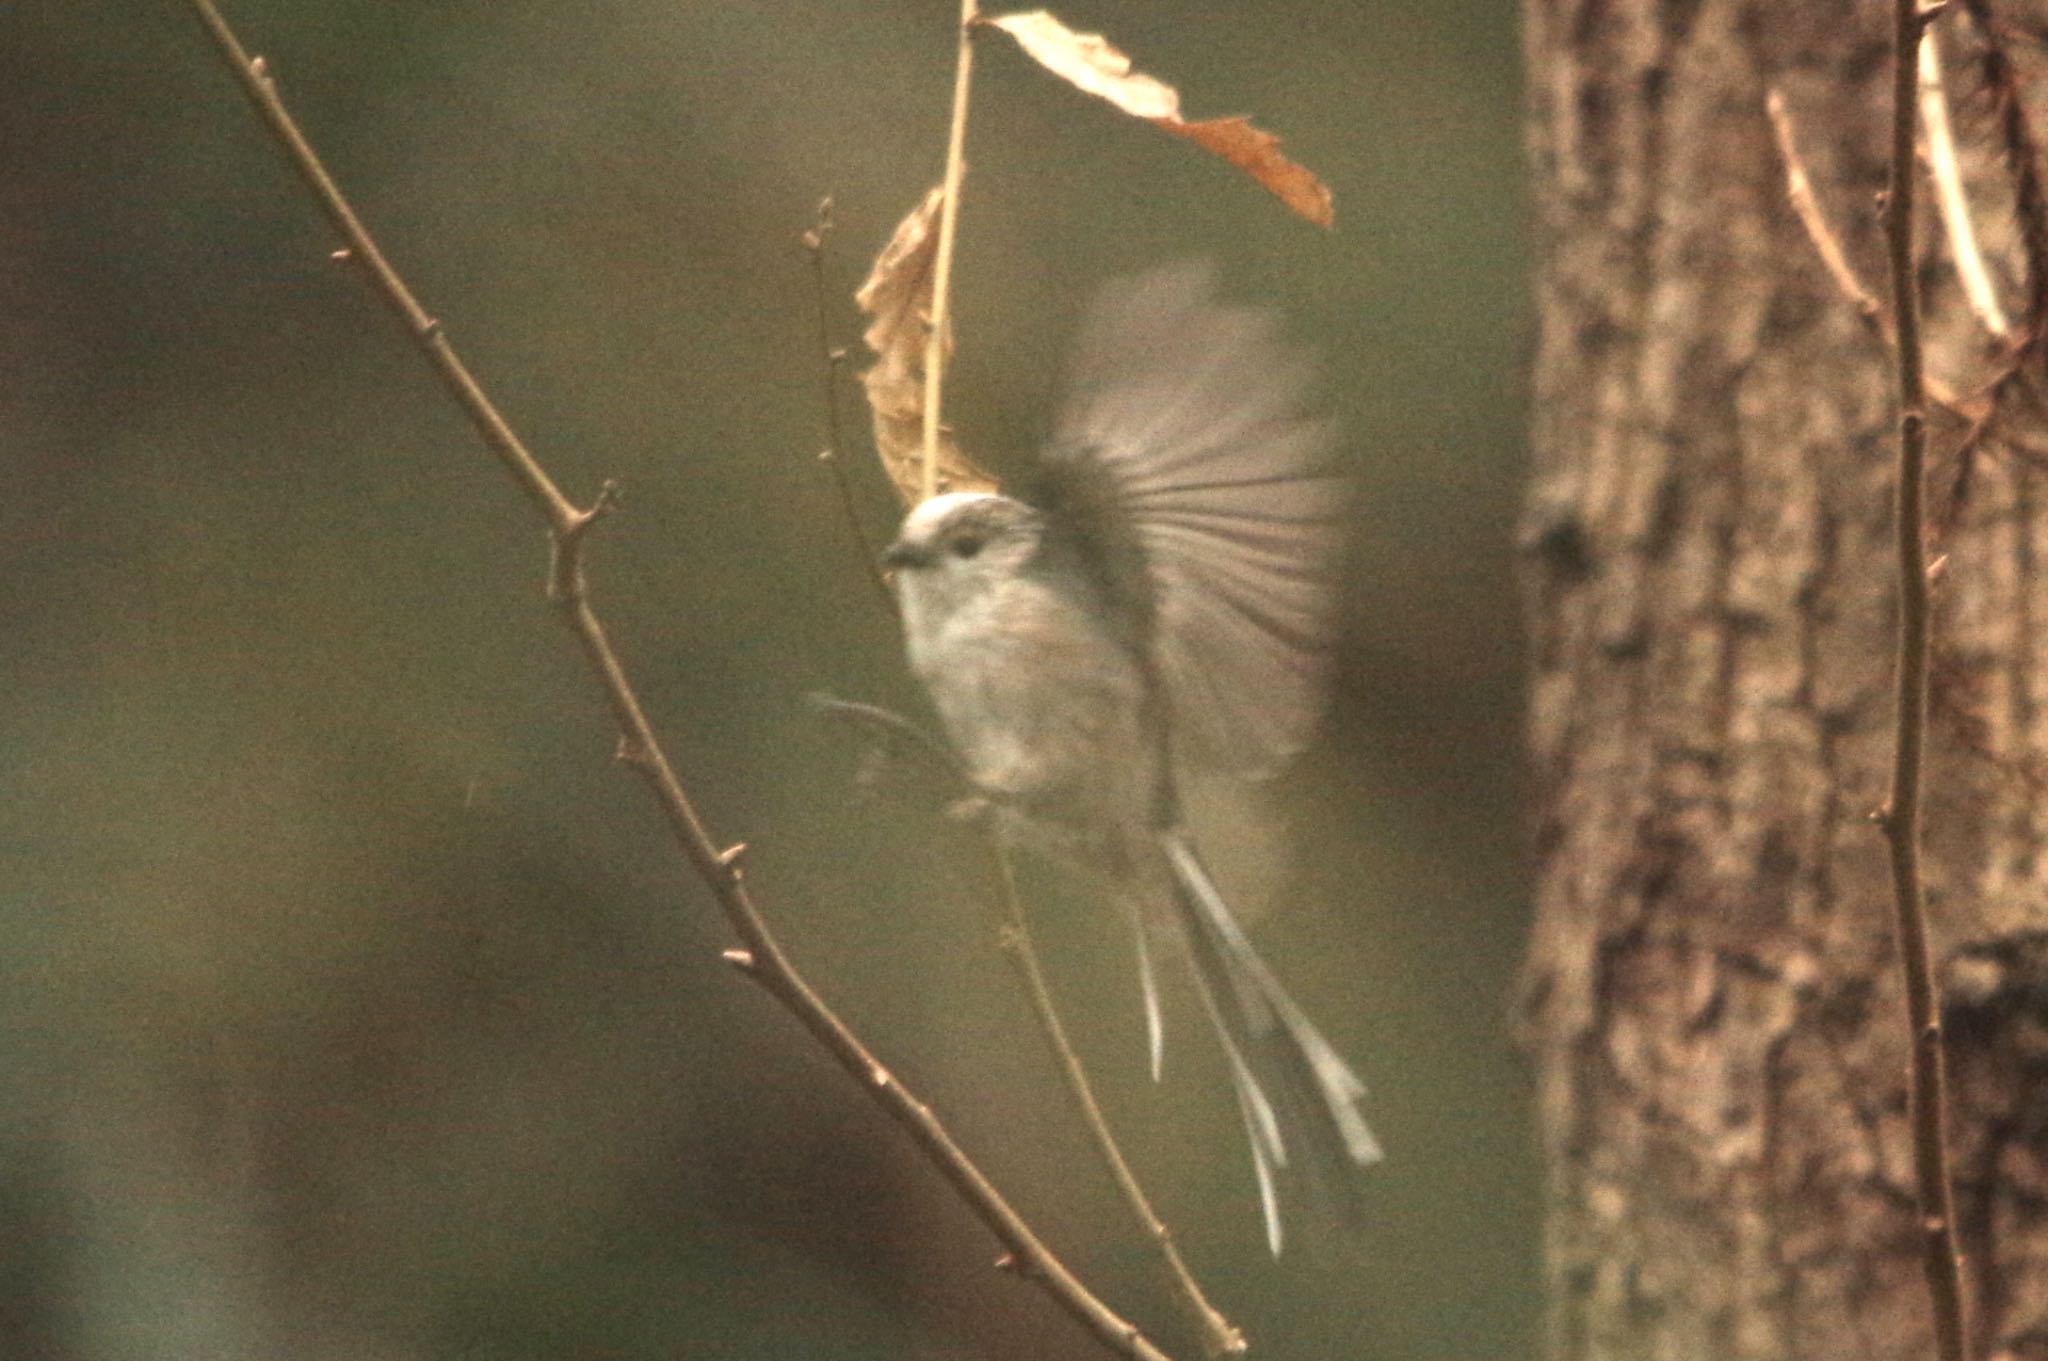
(1148, 980)
(1284, 1046)
(1261, 1125)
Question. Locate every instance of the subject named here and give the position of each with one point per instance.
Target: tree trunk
(1718, 1030)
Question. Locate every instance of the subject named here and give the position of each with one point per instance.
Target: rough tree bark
(1712, 1003)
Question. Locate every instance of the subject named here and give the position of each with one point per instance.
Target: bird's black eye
(967, 545)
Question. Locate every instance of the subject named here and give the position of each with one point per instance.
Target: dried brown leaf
(1088, 62)
(1257, 152)
(897, 297)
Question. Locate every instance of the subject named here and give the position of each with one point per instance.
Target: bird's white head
(954, 549)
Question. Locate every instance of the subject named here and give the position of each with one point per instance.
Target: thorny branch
(760, 957)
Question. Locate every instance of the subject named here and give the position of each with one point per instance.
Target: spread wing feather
(1184, 465)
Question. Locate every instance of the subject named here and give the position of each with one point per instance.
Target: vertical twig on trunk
(1900, 818)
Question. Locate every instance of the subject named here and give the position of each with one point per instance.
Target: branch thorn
(342, 256)
(565, 580)
(743, 960)
(730, 856)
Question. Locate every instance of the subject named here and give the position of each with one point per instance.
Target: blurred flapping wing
(1203, 494)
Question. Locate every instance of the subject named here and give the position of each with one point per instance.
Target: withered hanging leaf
(1257, 152)
(1088, 62)
(898, 297)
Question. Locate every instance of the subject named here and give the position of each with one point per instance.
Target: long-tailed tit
(1163, 596)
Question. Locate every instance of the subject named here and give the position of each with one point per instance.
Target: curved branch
(760, 957)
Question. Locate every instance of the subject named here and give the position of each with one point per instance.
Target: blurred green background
(353, 1003)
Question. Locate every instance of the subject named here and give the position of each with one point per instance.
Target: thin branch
(761, 957)
(1900, 818)
(831, 358)
(1949, 194)
(1982, 410)
(2023, 163)
(1220, 1337)
(1799, 190)
(899, 733)
(1806, 207)
(942, 267)
(2030, 208)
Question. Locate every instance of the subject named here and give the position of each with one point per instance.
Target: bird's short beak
(900, 554)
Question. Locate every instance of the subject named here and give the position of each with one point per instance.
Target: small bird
(1161, 597)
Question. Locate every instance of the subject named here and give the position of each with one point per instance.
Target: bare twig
(942, 267)
(899, 733)
(2021, 151)
(760, 957)
(1950, 197)
(831, 358)
(2023, 163)
(1900, 818)
(1981, 409)
(1220, 1337)
(1806, 207)
(1799, 189)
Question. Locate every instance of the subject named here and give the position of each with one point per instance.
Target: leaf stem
(942, 265)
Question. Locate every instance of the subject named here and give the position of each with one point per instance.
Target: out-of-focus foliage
(352, 1002)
